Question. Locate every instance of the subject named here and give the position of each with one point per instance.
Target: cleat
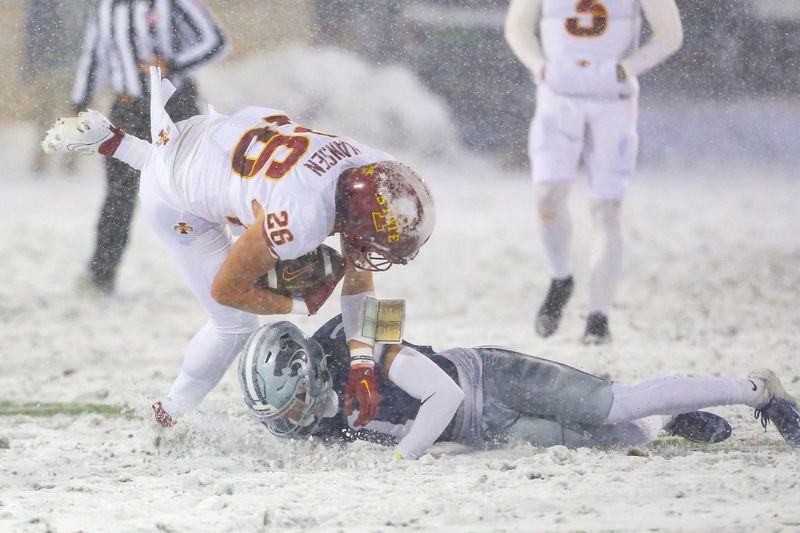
(162, 416)
(699, 426)
(84, 134)
(780, 408)
(549, 315)
(597, 331)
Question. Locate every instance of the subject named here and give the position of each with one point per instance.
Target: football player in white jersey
(284, 188)
(585, 64)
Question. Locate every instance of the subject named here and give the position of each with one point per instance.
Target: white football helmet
(284, 379)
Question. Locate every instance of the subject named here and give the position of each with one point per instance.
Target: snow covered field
(712, 280)
(711, 287)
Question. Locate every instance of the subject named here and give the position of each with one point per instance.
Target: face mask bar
(286, 425)
(378, 261)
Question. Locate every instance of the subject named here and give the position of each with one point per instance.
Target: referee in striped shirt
(123, 39)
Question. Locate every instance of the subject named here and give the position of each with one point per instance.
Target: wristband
(361, 356)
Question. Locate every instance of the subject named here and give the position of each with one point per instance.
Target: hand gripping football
(306, 275)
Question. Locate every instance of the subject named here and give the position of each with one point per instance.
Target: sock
(676, 395)
(555, 227)
(606, 258)
(127, 148)
(186, 394)
(209, 354)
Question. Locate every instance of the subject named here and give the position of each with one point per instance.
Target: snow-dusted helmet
(385, 214)
(284, 379)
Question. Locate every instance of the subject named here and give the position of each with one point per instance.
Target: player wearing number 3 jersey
(284, 189)
(585, 64)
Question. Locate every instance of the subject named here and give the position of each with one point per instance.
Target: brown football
(300, 277)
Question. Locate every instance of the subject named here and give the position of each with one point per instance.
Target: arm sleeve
(209, 40)
(88, 64)
(520, 32)
(667, 38)
(439, 394)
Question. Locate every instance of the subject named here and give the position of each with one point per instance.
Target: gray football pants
(548, 403)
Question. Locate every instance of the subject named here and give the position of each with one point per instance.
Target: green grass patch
(8, 408)
(675, 442)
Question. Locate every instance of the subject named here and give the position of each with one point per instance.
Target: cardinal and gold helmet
(385, 213)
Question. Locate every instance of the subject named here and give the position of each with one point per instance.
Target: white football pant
(198, 248)
(601, 131)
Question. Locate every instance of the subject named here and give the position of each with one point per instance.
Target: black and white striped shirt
(123, 35)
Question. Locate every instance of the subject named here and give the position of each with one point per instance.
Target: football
(301, 277)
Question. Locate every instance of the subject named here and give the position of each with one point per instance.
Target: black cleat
(597, 331)
(549, 315)
(699, 426)
(781, 409)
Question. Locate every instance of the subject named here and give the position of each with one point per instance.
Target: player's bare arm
(667, 37)
(234, 284)
(521, 24)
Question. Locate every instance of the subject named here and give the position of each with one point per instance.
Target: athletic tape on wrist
(353, 317)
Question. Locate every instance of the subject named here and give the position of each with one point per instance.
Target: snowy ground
(712, 281)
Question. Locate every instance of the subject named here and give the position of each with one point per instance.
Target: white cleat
(83, 134)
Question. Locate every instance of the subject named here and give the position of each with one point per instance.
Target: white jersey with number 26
(585, 40)
(221, 165)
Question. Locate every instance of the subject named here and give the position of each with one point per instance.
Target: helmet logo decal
(290, 360)
(384, 221)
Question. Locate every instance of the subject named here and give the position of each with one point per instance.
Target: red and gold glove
(363, 385)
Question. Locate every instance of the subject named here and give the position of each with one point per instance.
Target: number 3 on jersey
(278, 232)
(599, 13)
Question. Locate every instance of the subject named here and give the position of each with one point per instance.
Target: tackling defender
(476, 396)
(587, 94)
(285, 188)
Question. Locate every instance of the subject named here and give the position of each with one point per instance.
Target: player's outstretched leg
(699, 426)
(781, 408)
(597, 331)
(549, 315)
(88, 133)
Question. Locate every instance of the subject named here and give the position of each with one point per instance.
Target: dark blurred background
(740, 63)
(731, 90)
